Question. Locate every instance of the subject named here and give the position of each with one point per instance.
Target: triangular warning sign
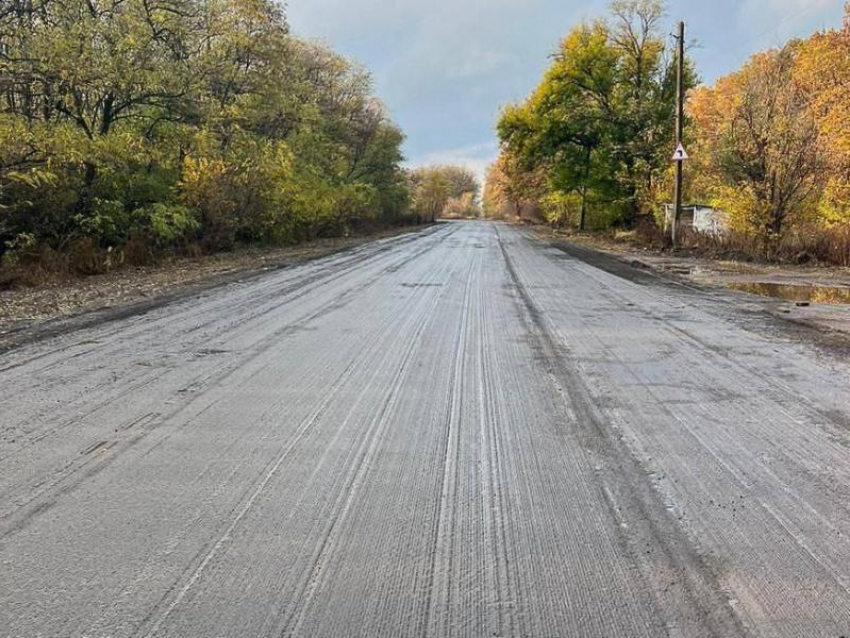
(680, 154)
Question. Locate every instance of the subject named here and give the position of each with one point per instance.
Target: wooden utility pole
(680, 124)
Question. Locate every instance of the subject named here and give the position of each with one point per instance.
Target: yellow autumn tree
(512, 190)
(759, 146)
(771, 142)
(822, 70)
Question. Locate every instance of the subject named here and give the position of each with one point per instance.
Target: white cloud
(475, 157)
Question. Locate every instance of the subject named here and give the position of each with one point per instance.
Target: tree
(437, 188)
(431, 194)
(495, 202)
(463, 207)
(510, 190)
(117, 116)
(600, 122)
(761, 143)
(461, 181)
(822, 73)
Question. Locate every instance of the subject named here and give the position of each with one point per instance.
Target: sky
(444, 68)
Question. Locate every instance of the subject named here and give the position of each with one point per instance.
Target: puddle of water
(812, 294)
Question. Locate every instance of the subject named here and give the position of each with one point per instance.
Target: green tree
(439, 190)
(600, 122)
(184, 120)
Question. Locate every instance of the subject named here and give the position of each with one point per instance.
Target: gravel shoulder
(706, 270)
(728, 276)
(28, 314)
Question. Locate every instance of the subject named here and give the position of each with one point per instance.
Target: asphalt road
(462, 432)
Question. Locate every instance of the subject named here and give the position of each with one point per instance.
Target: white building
(703, 219)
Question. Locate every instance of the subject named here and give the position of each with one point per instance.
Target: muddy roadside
(30, 314)
(809, 295)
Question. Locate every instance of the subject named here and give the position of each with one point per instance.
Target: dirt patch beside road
(813, 296)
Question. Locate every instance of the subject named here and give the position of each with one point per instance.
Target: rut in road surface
(464, 432)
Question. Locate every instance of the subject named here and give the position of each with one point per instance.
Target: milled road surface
(462, 432)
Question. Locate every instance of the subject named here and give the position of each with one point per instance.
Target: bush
(107, 222)
(207, 187)
(169, 224)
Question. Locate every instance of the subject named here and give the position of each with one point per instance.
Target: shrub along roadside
(813, 245)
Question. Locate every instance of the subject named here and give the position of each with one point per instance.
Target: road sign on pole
(681, 154)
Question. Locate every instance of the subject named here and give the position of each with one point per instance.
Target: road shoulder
(32, 314)
(823, 325)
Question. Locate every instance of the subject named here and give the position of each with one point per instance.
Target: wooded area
(769, 144)
(593, 139)
(129, 127)
(444, 191)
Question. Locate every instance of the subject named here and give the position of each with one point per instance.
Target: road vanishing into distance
(465, 431)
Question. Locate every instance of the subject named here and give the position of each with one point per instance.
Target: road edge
(774, 311)
(88, 318)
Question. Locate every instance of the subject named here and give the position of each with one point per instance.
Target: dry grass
(798, 246)
(82, 258)
(813, 245)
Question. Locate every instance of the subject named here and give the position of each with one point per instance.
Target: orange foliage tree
(511, 190)
(823, 73)
(771, 142)
(759, 145)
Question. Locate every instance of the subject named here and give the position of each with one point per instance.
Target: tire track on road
(750, 470)
(507, 597)
(441, 561)
(362, 465)
(69, 476)
(374, 345)
(631, 498)
(359, 359)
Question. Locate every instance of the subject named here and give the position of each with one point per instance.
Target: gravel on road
(462, 432)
